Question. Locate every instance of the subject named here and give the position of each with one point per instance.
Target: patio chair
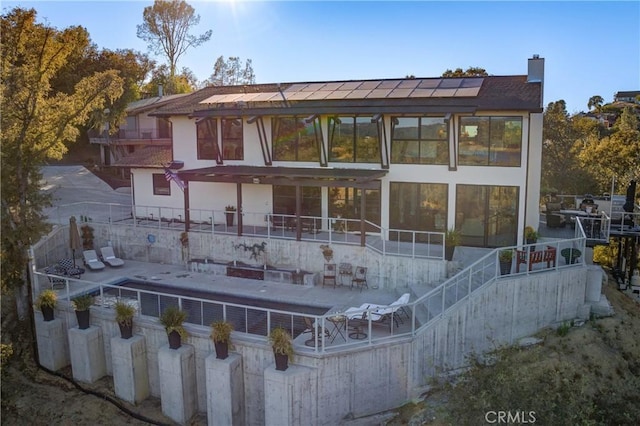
(109, 257)
(91, 260)
(67, 267)
(379, 315)
(329, 276)
(310, 327)
(360, 278)
(345, 272)
(55, 275)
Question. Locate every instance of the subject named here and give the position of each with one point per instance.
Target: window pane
(367, 142)
(307, 144)
(207, 139)
(284, 138)
(232, 139)
(431, 138)
(418, 206)
(506, 141)
(161, 186)
(341, 133)
(474, 141)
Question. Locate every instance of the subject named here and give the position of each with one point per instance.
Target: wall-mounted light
(376, 118)
(310, 118)
(252, 120)
(256, 180)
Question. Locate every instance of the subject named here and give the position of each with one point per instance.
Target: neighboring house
(632, 96)
(413, 154)
(138, 131)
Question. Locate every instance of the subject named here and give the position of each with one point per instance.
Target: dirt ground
(604, 348)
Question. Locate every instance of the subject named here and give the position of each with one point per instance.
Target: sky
(590, 48)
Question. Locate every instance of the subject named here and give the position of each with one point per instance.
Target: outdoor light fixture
(376, 118)
(310, 118)
(252, 120)
(447, 116)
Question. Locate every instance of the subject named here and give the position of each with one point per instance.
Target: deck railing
(395, 242)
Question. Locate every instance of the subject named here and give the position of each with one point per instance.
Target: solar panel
(409, 84)
(389, 84)
(378, 93)
(431, 83)
(467, 92)
(450, 83)
(422, 93)
(370, 85)
(443, 93)
(400, 93)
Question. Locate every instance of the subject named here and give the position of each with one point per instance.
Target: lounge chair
(109, 257)
(91, 260)
(396, 308)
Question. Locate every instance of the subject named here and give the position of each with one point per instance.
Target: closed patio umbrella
(631, 197)
(74, 238)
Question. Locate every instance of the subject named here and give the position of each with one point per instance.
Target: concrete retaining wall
(370, 379)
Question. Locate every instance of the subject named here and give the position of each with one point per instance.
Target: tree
(231, 72)
(470, 72)
(165, 27)
(36, 123)
(595, 101)
(184, 82)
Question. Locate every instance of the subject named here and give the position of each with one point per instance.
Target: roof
(149, 156)
(414, 95)
(149, 104)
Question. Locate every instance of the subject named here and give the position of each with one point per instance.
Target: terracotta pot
(222, 349)
(47, 313)
(282, 361)
(175, 340)
(229, 216)
(83, 319)
(126, 331)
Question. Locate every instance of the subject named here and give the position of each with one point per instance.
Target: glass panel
(418, 206)
(405, 151)
(294, 140)
(367, 142)
(486, 216)
(207, 131)
(474, 141)
(341, 133)
(284, 200)
(164, 128)
(506, 141)
(345, 202)
(232, 139)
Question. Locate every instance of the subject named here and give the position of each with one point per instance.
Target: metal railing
(395, 242)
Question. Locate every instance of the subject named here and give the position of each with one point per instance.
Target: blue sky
(590, 48)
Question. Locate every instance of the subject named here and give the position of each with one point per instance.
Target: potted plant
(81, 305)
(124, 317)
(282, 347)
(504, 259)
(451, 240)
(570, 255)
(184, 239)
(172, 319)
(531, 236)
(221, 336)
(230, 212)
(327, 252)
(46, 302)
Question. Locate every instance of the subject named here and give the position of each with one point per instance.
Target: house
(402, 158)
(139, 131)
(632, 96)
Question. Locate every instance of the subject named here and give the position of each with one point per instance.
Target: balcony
(156, 137)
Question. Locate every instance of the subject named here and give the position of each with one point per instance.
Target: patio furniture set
(344, 274)
(67, 268)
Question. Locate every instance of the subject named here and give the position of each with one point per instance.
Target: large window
(346, 203)
(418, 206)
(490, 141)
(354, 140)
(284, 200)
(161, 186)
(419, 140)
(232, 148)
(294, 140)
(486, 216)
(207, 139)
